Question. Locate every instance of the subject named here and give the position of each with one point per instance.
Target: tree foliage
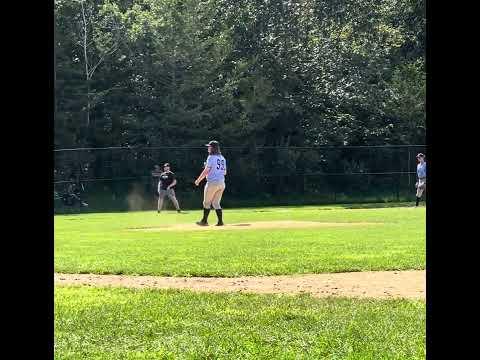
(150, 72)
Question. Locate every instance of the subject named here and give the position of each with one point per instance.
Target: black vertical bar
(409, 166)
(398, 187)
(257, 172)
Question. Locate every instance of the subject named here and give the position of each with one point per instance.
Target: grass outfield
(102, 243)
(116, 323)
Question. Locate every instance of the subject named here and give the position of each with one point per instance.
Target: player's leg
(217, 197)
(424, 187)
(161, 196)
(173, 199)
(208, 192)
(420, 188)
(416, 194)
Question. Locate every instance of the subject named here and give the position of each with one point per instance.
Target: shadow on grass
(376, 205)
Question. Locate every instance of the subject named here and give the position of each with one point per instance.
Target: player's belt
(422, 178)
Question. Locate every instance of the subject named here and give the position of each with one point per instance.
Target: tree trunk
(85, 59)
(90, 132)
(90, 123)
(54, 70)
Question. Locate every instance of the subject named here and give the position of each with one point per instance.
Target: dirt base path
(368, 284)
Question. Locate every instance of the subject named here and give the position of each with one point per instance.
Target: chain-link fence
(119, 178)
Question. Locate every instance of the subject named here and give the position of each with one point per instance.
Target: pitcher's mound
(284, 224)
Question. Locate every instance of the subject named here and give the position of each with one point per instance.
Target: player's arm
(203, 174)
(159, 186)
(174, 182)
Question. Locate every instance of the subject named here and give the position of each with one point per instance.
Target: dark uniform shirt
(166, 178)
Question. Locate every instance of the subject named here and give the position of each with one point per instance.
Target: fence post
(398, 187)
(409, 163)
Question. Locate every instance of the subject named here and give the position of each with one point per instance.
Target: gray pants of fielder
(421, 185)
(171, 195)
(212, 194)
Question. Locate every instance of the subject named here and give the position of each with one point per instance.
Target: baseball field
(329, 282)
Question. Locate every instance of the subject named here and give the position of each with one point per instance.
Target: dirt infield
(254, 225)
(370, 284)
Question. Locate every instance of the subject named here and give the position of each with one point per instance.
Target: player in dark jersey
(165, 188)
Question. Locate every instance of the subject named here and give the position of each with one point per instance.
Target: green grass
(116, 323)
(101, 243)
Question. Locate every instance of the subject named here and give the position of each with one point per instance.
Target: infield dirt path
(368, 284)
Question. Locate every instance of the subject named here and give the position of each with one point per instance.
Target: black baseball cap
(166, 164)
(420, 155)
(213, 143)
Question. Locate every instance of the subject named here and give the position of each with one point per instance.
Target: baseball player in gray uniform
(215, 171)
(422, 177)
(165, 187)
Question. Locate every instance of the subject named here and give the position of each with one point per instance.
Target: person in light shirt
(214, 171)
(422, 177)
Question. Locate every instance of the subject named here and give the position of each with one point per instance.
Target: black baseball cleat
(202, 223)
(179, 211)
(220, 224)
